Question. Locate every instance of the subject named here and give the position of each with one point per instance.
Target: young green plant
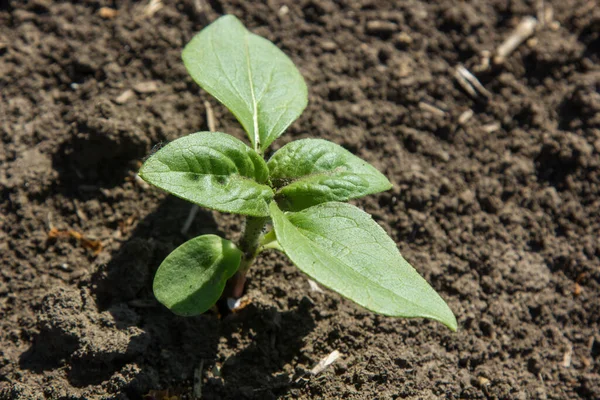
(300, 190)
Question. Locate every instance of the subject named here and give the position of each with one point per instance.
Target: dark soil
(501, 213)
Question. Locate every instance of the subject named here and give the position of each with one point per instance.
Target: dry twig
(465, 116)
(522, 32)
(152, 8)
(94, 245)
(325, 362)
(492, 127)
(432, 109)
(567, 357)
(210, 117)
(470, 83)
(540, 6)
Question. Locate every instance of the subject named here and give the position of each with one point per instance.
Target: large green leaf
(313, 171)
(342, 247)
(249, 75)
(213, 170)
(191, 279)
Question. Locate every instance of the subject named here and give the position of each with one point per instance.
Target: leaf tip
(388, 185)
(142, 174)
(447, 318)
(452, 324)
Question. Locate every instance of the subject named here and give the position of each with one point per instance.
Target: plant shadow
(263, 368)
(111, 330)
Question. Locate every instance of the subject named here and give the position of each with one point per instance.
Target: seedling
(300, 191)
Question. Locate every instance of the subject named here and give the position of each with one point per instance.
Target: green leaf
(342, 247)
(213, 170)
(314, 171)
(250, 76)
(191, 279)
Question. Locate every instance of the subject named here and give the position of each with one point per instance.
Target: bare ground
(500, 211)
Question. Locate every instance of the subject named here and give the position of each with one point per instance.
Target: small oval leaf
(255, 80)
(192, 278)
(214, 170)
(313, 171)
(342, 248)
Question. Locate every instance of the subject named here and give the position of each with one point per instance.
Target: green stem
(248, 244)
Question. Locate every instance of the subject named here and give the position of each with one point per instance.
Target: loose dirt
(499, 211)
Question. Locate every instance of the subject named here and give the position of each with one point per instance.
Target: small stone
(283, 11)
(466, 197)
(483, 381)
(107, 12)
(403, 38)
(442, 155)
(146, 87)
(381, 27)
(125, 97)
(328, 45)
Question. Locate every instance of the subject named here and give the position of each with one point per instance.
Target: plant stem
(248, 244)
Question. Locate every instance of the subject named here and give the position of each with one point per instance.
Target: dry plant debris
(94, 245)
